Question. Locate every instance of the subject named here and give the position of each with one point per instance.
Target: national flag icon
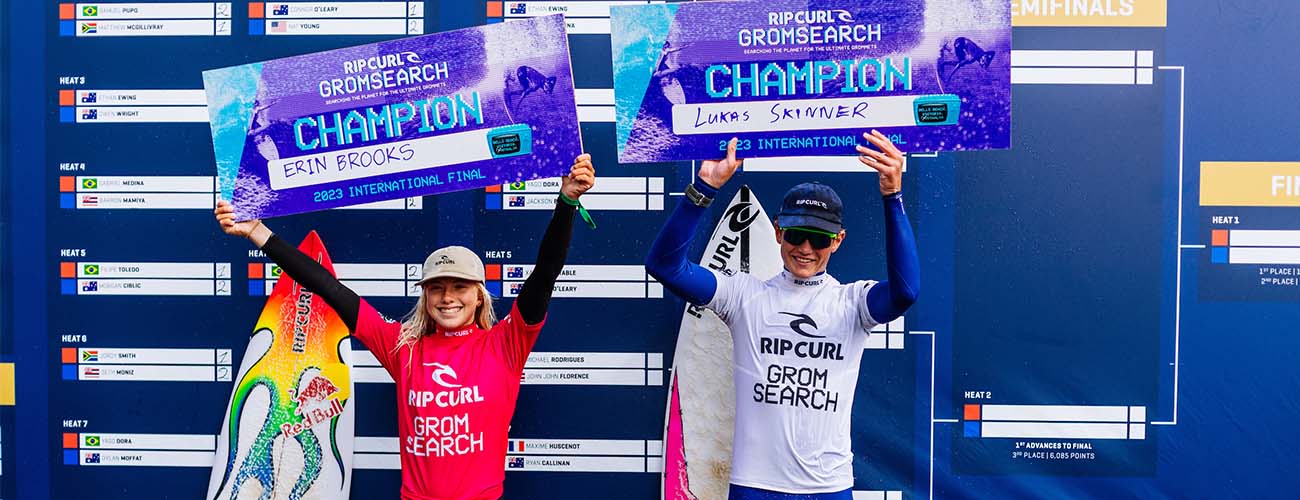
(90, 10)
(92, 458)
(515, 287)
(89, 28)
(89, 97)
(517, 445)
(90, 183)
(278, 26)
(515, 272)
(89, 355)
(90, 114)
(90, 269)
(280, 10)
(515, 463)
(518, 8)
(89, 201)
(91, 442)
(276, 271)
(517, 186)
(517, 201)
(90, 372)
(91, 286)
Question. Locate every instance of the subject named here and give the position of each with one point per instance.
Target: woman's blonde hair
(417, 323)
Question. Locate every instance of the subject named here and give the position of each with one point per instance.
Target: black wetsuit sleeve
(311, 275)
(535, 295)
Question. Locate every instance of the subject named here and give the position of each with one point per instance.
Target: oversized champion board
(288, 430)
(701, 397)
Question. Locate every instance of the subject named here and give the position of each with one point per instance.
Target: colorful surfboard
(288, 431)
(701, 397)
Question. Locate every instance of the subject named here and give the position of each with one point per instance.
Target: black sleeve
(312, 276)
(535, 295)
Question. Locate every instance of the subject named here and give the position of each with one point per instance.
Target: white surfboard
(701, 396)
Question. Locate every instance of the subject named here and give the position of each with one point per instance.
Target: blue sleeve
(890, 299)
(667, 260)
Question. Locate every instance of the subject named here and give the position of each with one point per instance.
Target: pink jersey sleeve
(516, 338)
(379, 334)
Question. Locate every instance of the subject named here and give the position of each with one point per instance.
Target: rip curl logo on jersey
(739, 217)
(445, 376)
(440, 374)
(802, 349)
(800, 321)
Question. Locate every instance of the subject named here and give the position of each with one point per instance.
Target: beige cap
(453, 262)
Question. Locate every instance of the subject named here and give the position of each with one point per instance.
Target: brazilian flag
(92, 441)
(90, 183)
(91, 269)
(517, 186)
(90, 10)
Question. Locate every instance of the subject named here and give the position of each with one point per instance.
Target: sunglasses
(819, 240)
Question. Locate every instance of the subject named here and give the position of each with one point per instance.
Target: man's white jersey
(797, 345)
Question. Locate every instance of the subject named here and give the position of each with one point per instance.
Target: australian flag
(90, 114)
(515, 272)
(518, 8)
(281, 10)
(92, 458)
(515, 463)
(90, 286)
(89, 97)
(515, 288)
(517, 201)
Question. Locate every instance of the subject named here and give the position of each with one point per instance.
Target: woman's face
(452, 302)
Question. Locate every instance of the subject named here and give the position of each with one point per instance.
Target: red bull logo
(315, 392)
(315, 403)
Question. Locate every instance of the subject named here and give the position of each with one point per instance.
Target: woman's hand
(252, 229)
(582, 176)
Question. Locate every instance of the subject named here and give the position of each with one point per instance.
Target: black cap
(814, 205)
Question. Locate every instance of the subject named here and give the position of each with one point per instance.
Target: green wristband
(582, 211)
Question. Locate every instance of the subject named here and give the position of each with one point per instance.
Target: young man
(798, 337)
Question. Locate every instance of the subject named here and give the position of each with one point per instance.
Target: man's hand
(888, 163)
(582, 176)
(717, 173)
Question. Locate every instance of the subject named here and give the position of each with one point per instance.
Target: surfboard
(288, 430)
(701, 398)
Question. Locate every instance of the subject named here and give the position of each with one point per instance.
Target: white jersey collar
(816, 281)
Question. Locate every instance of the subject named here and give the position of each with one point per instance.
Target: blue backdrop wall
(1095, 321)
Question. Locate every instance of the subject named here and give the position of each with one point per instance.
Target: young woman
(456, 368)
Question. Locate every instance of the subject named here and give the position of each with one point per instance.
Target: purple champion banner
(423, 115)
(808, 77)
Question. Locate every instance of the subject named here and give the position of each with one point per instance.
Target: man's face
(802, 260)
